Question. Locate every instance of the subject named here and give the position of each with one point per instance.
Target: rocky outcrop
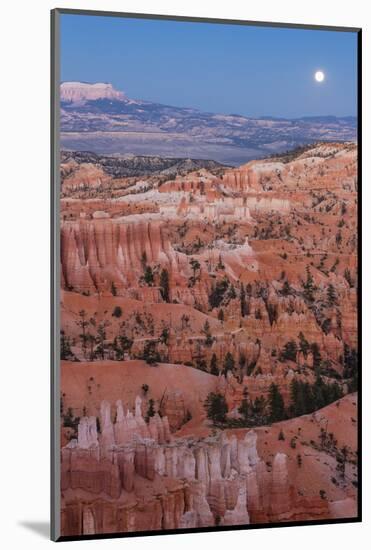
(326, 166)
(84, 178)
(95, 254)
(218, 480)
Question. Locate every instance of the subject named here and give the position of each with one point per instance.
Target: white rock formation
(82, 91)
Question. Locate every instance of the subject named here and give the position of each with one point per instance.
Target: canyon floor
(208, 341)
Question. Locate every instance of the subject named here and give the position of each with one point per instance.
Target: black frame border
(55, 274)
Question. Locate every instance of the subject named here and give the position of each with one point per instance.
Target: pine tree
(65, 345)
(309, 287)
(217, 293)
(289, 351)
(214, 365)
(150, 354)
(206, 330)
(151, 409)
(307, 398)
(83, 324)
(216, 407)
(101, 337)
(195, 266)
(258, 314)
(259, 406)
(350, 362)
(164, 285)
(117, 312)
(229, 363)
(286, 289)
(243, 301)
(121, 343)
(91, 341)
(331, 295)
(232, 292)
(201, 365)
(164, 336)
(276, 404)
(148, 276)
(304, 346)
(296, 405)
(317, 358)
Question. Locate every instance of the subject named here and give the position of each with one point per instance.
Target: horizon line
(260, 117)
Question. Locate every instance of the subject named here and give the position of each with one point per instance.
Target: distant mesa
(74, 92)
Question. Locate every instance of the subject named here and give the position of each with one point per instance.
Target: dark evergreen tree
(195, 264)
(117, 312)
(309, 287)
(206, 330)
(214, 365)
(150, 354)
(258, 314)
(151, 409)
(101, 339)
(286, 289)
(317, 358)
(304, 346)
(276, 404)
(231, 292)
(83, 323)
(217, 293)
(229, 363)
(201, 365)
(164, 285)
(121, 344)
(259, 411)
(148, 276)
(66, 353)
(243, 303)
(350, 361)
(165, 335)
(289, 351)
(296, 404)
(331, 295)
(272, 311)
(216, 407)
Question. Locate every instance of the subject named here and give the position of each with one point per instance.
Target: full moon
(319, 76)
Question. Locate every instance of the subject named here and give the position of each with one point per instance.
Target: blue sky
(253, 71)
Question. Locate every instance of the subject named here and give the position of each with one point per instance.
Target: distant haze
(96, 117)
